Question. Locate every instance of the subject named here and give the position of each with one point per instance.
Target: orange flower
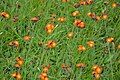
(109, 40)
(91, 15)
(79, 23)
(90, 43)
(17, 65)
(49, 28)
(5, 14)
(34, 19)
(70, 34)
(75, 13)
(19, 61)
(14, 43)
(51, 44)
(79, 65)
(81, 48)
(43, 76)
(27, 38)
(61, 19)
(17, 75)
(82, 3)
(87, 2)
(97, 69)
(97, 18)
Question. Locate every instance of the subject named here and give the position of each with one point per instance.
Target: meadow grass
(104, 54)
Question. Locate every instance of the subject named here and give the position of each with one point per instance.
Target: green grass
(104, 54)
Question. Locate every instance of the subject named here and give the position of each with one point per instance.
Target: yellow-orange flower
(79, 65)
(14, 43)
(61, 19)
(79, 23)
(90, 43)
(109, 40)
(26, 38)
(49, 28)
(51, 44)
(75, 13)
(81, 48)
(5, 14)
(17, 75)
(19, 62)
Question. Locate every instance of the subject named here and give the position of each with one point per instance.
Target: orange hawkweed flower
(109, 40)
(17, 75)
(79, 23)
(51, 44)
(19, 61)
(61, 19)
(81, 48)
(26, 38)
(97, 18)
(91, 15)
(43, 76)
(79, 65)
(17, 65)
(90, 43)
(14, 43)
(49, 28)
(97, 69)
(34, 19)
(5, 14)
(75, 13)
(82, 2)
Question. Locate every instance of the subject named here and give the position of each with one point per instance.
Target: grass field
(31, 51)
